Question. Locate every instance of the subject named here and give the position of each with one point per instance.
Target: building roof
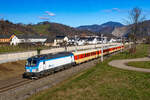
(72, 38)
(108, 39)
(60, 37)
(51, 56)
(2, 36)
(49, 40)
(91, 39)
(34, 36)
(83, 38)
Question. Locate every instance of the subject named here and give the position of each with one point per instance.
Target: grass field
(103, 82)
(140, 64)
(11, 69)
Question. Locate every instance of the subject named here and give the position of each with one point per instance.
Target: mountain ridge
(105, 28)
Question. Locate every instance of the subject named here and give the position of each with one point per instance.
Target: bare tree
(136, 19)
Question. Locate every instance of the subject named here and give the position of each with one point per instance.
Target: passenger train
(41, 65)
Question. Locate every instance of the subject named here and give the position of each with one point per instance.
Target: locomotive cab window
(31, 63)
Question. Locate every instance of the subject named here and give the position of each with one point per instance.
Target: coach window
(78, 57)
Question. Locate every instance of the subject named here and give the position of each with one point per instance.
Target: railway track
(14, 85)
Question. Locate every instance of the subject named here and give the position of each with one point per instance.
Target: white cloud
(50, 13)
(44, 18)
(116, 9)
(112, 10)
(47, 16)
(107, 10)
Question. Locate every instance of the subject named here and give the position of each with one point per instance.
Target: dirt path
(122, 64)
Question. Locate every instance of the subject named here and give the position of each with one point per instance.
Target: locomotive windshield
(31, 62)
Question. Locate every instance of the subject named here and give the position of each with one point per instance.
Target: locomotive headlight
(27, 70)
(34, 70)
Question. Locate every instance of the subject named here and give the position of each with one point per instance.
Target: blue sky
(70, 12)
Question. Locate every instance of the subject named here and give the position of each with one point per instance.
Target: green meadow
(103, 82)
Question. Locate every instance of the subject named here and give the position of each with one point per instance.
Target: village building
(49, 42)
(82, 41)
(71, 41)
(112, 40)
(92, 40)
(25, 38)
(60, 40)
(6, 39)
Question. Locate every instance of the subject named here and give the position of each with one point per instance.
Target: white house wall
(36, 40)
(66, 39)
(14, 41)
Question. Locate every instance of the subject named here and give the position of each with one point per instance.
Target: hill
(7, 27)
(53, 29)
(46, 28)
(105, 28)
(126, 30)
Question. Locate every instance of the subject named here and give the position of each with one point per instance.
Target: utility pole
(102, 48)
(65, 46)
(75, 43)
(95, 42)
(121, 43)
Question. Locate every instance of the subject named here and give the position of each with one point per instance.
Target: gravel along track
(23, 88)
(13, 85)
(122, 64)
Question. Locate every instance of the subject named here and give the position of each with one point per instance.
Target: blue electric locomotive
(40, 65)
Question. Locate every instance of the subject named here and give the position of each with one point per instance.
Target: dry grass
(11, 69)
